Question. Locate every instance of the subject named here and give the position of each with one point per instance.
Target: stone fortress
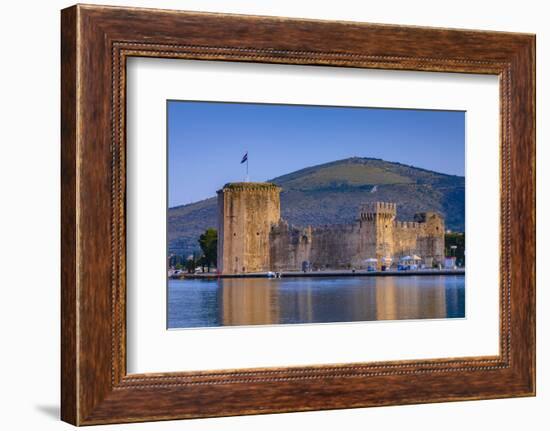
(252, 237)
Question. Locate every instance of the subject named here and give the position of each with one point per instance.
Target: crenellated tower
(377, 220)
(246, 212)
(431, 240)
(252, 237)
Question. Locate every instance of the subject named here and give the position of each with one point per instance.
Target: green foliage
(208, 243)
(455, 239)
(191, 264)
(351, 174)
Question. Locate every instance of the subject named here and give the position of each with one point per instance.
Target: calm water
(261, 301)
(264, 301)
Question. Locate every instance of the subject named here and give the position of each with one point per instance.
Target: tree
(455, 245)
(201, 262)
(208, 242)
(190, 265)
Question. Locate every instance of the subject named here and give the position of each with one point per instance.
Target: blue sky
(207, 140)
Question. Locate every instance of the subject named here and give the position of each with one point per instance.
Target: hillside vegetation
(333, 192)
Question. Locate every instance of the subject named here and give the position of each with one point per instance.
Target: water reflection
(261, 301)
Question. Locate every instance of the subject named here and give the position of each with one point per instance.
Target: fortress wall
(405, 236)
(247, 211)
(230, 232)
(378, 238)
(262, 210)
(431, 243)
(253, 238)
(424, 237)
(335, 247)
(368, 242)
(289, 247)
(343, 246)
(279, 247)
(384, 226)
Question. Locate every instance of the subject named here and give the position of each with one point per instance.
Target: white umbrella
(371, 260)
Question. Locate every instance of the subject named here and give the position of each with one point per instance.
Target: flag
(245, 157)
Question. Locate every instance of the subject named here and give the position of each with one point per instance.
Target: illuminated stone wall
(253, 238)
(246, 212)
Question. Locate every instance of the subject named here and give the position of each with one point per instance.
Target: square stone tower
(378, 219)
(246, 212)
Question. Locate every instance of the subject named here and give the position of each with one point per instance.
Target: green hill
(332, 193)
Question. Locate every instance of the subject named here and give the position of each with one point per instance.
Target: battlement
(253, 238)
(242, 187)
(407, 225)
(427, 216)
(370, 210)
(246, 214)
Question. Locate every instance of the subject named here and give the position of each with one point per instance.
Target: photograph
(302, 214)
(264, 209)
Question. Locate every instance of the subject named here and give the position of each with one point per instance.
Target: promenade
(329, 273)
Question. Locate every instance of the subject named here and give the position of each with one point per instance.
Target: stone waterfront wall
(246, 212)
(335, 246)
(289, 246)
(431, 240)
(424, 237)
(405, 238)
(253, 238)
(380, 216)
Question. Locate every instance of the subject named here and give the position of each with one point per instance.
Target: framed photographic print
(323, 239)
(265, 214)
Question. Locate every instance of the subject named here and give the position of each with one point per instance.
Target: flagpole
(245, 159)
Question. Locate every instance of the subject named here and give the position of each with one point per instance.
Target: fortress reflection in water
(263, 301)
